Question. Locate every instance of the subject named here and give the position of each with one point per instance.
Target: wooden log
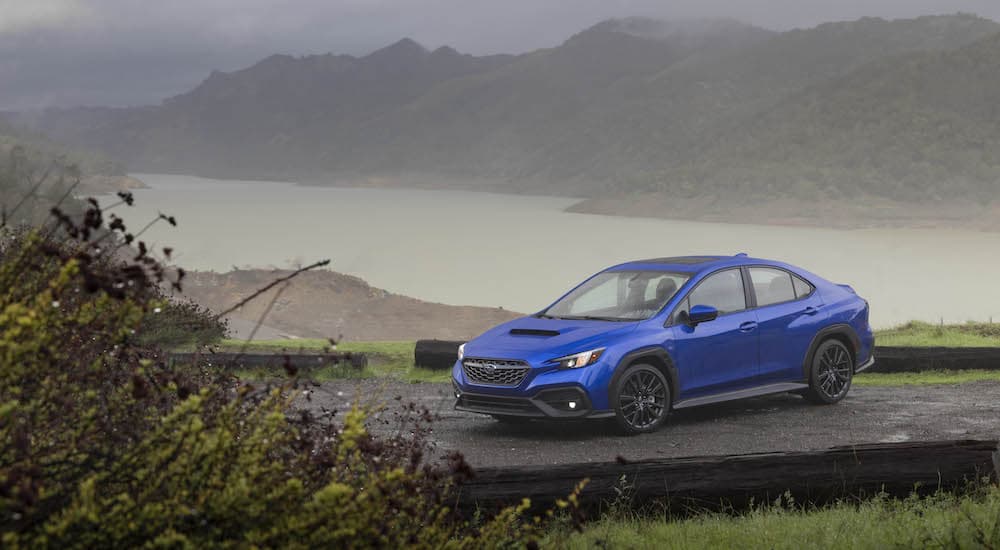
(436, 354)
(276, 360)
(912, 359)
(736, 481)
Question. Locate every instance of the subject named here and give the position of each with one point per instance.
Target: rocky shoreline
(102, 185)
(859, 213)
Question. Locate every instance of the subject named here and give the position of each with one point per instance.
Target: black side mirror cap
(702, 314)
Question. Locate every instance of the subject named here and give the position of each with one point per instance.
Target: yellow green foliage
(104, 445)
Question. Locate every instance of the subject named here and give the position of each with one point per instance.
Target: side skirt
(868, 364)
(740, 394)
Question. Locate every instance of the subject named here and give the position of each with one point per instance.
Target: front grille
(495, 372)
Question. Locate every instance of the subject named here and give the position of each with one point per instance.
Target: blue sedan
(642, 338)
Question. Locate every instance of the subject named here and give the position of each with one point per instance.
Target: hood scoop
(533, 332)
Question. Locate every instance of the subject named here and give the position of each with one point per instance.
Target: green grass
(920, 334)
(924, 378)
(941, 521)
(395, 359)
(385, 360)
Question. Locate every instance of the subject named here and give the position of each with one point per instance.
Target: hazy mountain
(28, 158)
(625, 106)
(273, 119)
(916, 126)
(40, 149)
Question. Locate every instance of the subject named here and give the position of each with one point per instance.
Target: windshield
(618, 296)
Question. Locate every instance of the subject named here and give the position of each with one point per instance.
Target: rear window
(772, 286)
(802, 287)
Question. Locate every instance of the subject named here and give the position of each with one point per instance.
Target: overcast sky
(129, 52)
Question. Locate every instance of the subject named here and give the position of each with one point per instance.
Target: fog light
(572, 404)
(458, 394)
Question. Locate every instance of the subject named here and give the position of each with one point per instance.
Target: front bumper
(565, 403)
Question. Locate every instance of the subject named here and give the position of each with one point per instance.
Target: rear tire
(641, 399)
(830, 373)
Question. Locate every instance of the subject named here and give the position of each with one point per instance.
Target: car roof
(691, 264)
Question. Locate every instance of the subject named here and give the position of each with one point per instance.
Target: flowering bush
(102, 444)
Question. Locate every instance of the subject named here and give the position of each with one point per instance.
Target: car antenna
(740, 255)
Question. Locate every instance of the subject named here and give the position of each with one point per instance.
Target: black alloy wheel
(831, 373)
(641, 399)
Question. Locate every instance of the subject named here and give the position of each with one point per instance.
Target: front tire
(831, 373)
(641, 399)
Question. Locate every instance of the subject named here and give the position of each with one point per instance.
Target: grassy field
(924, 378)
(385, 359)
(942, 521)
(919, 334)
(395, 359)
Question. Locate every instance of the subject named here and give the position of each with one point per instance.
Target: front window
(619, 296)
(722, 290)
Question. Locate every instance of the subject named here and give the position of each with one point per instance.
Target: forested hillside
(918, 126)
(898, 109)
(26, 157)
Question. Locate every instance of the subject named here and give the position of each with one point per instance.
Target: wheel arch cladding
(841, 332)
(654, 356)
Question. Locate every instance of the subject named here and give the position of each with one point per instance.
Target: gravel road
(772, 423)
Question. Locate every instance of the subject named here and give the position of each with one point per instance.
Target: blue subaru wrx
(641, 338)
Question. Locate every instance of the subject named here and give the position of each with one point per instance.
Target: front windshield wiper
(597, 318)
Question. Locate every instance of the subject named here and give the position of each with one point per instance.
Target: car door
(789, 313)
(719, 355)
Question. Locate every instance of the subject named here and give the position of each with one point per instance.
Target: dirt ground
(766, 424)
(322, 304)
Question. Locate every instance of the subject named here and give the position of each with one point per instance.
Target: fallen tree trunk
(435, 354)
(909, 359)
(277, 360)
(736, 481)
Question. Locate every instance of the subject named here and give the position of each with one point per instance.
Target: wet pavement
(773, 423)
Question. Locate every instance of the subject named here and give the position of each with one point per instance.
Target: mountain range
(711, 110)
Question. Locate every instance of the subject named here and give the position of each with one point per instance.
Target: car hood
(534, 339)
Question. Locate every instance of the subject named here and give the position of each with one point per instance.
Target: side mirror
(702, 314)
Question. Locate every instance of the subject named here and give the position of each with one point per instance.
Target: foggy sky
(132, 52)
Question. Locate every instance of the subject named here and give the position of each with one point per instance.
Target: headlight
(578, 360)
(461, 352)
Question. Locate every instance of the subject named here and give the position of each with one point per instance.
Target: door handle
(748, 326)
(811, 311)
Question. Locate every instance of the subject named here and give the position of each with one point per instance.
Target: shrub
(181, 322)
(102, 444)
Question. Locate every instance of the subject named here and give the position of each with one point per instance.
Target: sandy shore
(860, 213)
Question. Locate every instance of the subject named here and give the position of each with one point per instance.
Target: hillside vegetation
(716, 110)
(920, 334)
(105, 445)
(24, 149)
(924, 125)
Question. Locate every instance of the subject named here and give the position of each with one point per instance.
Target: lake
(522, 252)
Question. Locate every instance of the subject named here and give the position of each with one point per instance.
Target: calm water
(523, 252)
